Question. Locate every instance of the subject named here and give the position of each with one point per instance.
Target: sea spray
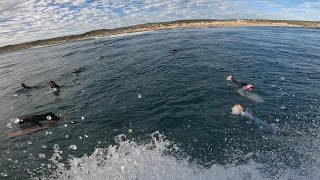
(133, 160)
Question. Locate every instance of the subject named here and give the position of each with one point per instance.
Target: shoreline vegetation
(159, 26)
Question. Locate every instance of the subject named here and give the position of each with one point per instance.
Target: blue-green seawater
(134, 85)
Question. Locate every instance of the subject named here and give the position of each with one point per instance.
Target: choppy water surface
(173, 109)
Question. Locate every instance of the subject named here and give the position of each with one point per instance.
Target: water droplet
(15, 95)
(42, 156)
(122, 168)
(66, 136)
(130, 130)
(277, 120)
(139, 96)
(29, 142)
(56, 146)
(282, 107)
(65, 125)
(80, 137)
(4, 174)
(43, 146)
(86, 136)
(282, 78)
(82, 118)
(73, 147)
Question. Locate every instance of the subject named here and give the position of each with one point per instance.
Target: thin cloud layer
(27, 20)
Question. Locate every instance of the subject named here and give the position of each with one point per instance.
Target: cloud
(311, 4)
(8, 5)
(25, 20)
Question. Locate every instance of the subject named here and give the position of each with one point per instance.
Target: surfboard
(22, 132)
(250, 95)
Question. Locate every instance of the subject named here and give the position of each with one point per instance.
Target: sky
(28, 20)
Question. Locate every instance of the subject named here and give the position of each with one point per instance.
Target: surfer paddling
(76, 71)
(239, 110)
(35, 119)
(245, 90)
(271, 128)
(240, 85)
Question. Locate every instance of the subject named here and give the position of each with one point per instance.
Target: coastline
(159, 26)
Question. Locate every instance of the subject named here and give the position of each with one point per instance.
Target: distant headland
(158, 26)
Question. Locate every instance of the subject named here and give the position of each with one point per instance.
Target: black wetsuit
(239, 84)
(76, 71)
(35, 119)
(25, 87)
(54, 85)
(262, 124)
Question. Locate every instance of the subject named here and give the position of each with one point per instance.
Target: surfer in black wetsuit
(76, 71)
(266, 127)
(54, 86)
(240, 85)
(35, 119)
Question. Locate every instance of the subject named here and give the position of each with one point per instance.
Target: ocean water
(139, 111)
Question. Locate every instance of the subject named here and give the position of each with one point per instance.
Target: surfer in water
(271, 128)
(54, 86)
(76, 71)
(239, 110)
(35, 119)
(240, 85)
(245, 90)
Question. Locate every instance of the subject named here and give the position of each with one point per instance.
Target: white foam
(236, 111)
(131, 160)
(73, 147)
(124, 34)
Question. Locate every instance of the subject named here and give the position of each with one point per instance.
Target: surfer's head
(249, 87)
(23, 85)
(51, 116)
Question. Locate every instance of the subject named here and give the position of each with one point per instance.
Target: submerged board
(250, 95)
(22, 132)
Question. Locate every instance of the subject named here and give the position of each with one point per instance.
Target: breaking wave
(161, 159)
